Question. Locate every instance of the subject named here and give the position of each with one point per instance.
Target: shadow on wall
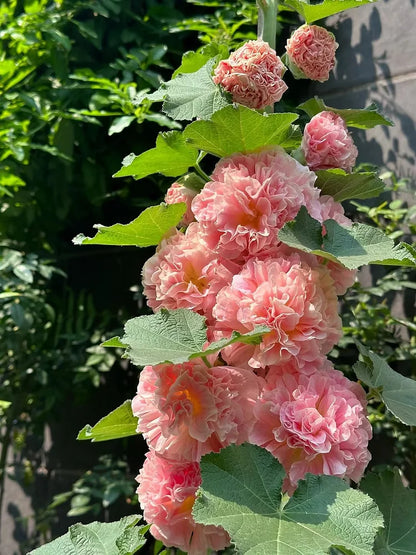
(371, 67)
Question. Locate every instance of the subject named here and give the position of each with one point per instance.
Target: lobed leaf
(397, 392)
(240, 129)
(365, 118)
(343, 186)
(146, 230)
(398, 506)
(350, 246)
(98, 538)
(194, 95)
(241, 491)
(117, 424)
(172, 156)
(313, 12)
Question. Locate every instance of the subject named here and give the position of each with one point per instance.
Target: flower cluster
(226, 262)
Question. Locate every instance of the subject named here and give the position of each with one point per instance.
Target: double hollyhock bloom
(253, 75)
(327, 144)
(313, 422)
(188, 410)
(311, 50)
(297, 302)
(167, 493)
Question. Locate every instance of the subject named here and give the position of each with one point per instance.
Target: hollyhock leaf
(194, 95)
(252, 337)
(342, 185)
(240, 129)
(313, 12)
(397, 392)
(97, 538)
(167, 336)
(398, 505)
(350, 246)
(365, 118)
(192, 61)
(114, 342)
(146, 230)
(241, 491)
(118, 423)
(172, 156)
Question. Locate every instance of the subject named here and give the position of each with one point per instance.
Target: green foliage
(351, 246)
(172, 156)
(313, 12)
(111, 538)
(241, 491)
(398, 506)
(344, 186)
(365, 118)
(397, 392)
(117, 424)
(146, 230)
(239, 129)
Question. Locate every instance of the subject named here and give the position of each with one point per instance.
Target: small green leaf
(146, 230)
(253, 337)
(397, 392)
(239, 129)
(366, 118)
(167, 336)
(398, 505)
(119, 423)
(194, 95)
(192, 61)
(241, 491)
(172, 156)
(97, 538)
(313, 12)
(352, 246)
(120, 123)
(343, 186)
(114, 342)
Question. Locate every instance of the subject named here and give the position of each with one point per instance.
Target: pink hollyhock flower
(253, 75)
(250, 198)
(167, 493)
(188, 410)
(311, 49)
(184, 273)
(178, 193)
(296, 301)
(327, 144)
(314, 423)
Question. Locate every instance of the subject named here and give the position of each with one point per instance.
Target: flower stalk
(267, 21)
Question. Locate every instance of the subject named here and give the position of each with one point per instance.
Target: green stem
(201, 172)
(267, 21)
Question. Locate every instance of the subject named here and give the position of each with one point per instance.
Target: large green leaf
(313, 12)
(365, 118)
(239, 129)
(241, 491)
(396, 391)
(194, 95)
(146, 230)
(352, 246)
(343, 186)
(175, 336)
(167, 336)
(117, 424)
(172, 156)
(98, 538)
(398, 505)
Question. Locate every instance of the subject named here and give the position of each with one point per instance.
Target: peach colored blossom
(327, 144)
(184, 273)
(313, 423)
(187, 410)
(253, 75)
(311, 49)
(178, 193)
(249, 200)
(298, 303)
(167, 493)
